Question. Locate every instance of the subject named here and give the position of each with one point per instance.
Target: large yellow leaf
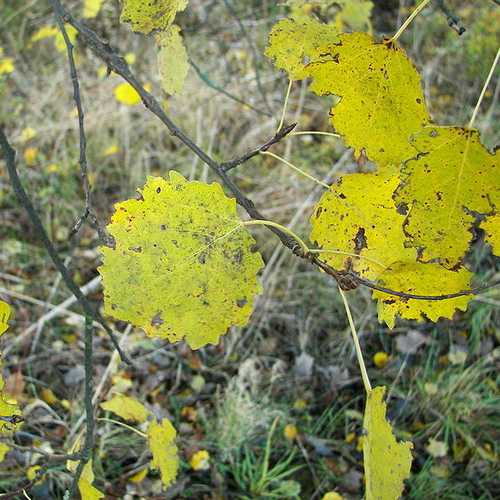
(87, 490)
(183, 265)
(491, 227)
(358, 216)
(146, 16)
(453, 177)
(294, 42)
(161, 439)
(126, 408)
(172, 60)
(4, 316)
(346, 219)
(381, 99)
(387, 462)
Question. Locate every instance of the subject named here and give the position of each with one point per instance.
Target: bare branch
(10, 161)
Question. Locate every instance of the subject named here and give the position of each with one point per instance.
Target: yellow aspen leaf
(421, 279)
(293, 42)
(43, 33)
(182, 265)
(48, 396)
(126, 408)
(8, 410)
(380, 359)
(30, 156)
(387, 462)
(32, 471)
(139, 477)
(332, 495)
(453, 177)
(91, 8)
(126, 94)
(491, 227)
(152, 15)
(130, 57)
(375, 82)
(437, 449)
(161, 439)
(290, 432)
(347, 220)
(6, 64)
(27, 134)
(111, 150)
(4, 449)
(87, 490)
(5, 312)
(172, 60)
(200, 460)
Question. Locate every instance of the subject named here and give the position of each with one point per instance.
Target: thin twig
(205, 79)
(88, 445)
(10, 161)
(453, 20)
(255, 54)
(284, 131)
(81, 123)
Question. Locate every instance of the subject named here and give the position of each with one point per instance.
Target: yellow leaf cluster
(387, 462)
(182, 265)
(172, 60)
(408, 225)
(151, 15)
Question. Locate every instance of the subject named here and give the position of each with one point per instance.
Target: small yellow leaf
(27, 134)
(30, 156)
(5, 312)
(139, 476)
(43, 33)
(6, 65)
(4, 449)
(48, 396)
(300, 404)
(91, 8)
(332, 495)
(182, 265)
(200, 460)
(350, 437)
(59, 39)
(431, 389)
(87, 490)
(387, 462)
(31, 472)
(126, 408)
(290, 432)
(148, 16)
(130, 58)
(126, 94)
(380, 359)
(161, 438)
(437, 448)
(111, 150)
(172, 60)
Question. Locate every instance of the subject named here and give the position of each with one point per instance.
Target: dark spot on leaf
(202, 258)
(241, 302)
(137, 249)
(158, 190)
(156, 321)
